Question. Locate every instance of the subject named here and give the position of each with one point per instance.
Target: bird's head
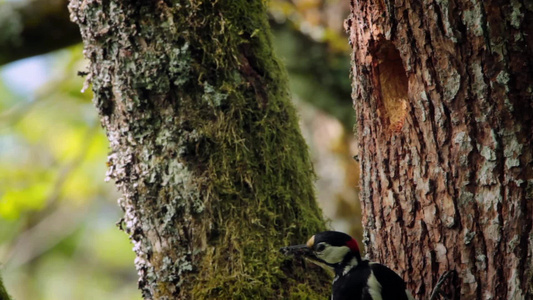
(333, 248)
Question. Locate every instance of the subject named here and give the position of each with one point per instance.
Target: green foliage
(56, 213)
(3, 293)
(45, 136)
(321, 77)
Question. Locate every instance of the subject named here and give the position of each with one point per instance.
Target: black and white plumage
(355, 278)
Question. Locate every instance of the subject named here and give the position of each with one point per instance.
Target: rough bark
(443, 95)
(205, 146)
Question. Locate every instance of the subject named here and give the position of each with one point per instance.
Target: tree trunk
(443, 94)
(205, 147)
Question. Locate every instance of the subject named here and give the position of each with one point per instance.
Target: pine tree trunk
(443, 93)
(205, 146)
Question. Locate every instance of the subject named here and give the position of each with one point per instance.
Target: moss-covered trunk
(205, 146)
(444, 93)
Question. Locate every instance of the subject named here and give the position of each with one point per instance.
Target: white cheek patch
(333, 255)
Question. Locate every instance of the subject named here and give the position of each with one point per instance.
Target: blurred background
(58, 238)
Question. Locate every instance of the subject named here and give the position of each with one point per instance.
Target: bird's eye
(320, 247)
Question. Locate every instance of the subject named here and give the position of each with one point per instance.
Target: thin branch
(35, 27)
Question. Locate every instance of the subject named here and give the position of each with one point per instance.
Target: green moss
(215, 142)
(258, 170)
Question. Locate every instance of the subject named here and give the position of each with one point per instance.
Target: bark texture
(205, 147)
(443, 93)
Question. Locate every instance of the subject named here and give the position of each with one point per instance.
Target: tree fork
(205, 147)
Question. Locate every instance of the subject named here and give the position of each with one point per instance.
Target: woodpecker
(355, 278)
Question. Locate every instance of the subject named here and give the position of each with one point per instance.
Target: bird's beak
(297, 250)
(301, 250)
(305, 252)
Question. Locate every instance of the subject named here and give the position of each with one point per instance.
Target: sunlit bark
(443, 95)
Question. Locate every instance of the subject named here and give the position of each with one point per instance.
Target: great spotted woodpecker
(355, 278)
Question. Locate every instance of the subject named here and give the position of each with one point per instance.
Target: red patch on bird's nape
(352, 244)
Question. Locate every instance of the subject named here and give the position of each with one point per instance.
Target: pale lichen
(517, 14)
(205, 146)
(444, 6)
(473, 19)
(468, 237)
